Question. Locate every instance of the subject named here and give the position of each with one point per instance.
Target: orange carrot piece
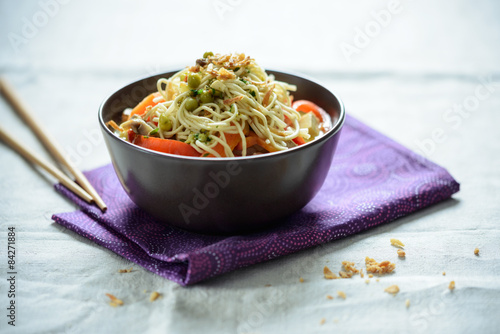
(251, 141)
(299, 140)
(148, 101)
(166, 146)
(269, 147)
(232, 140)
(308, 106)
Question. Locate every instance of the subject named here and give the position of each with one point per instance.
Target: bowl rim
(330, 133)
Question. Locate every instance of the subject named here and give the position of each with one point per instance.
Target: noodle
(223, 95)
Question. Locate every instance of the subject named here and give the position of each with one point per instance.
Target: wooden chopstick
(51, 145)
(32, 157)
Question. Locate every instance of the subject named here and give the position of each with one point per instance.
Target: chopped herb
(244, 81)
(236, 69)
(146, 136)
(155, 131)
(206, 155)
(248, 71)
(252, 93)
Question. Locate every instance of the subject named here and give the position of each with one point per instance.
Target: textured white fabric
(427, 58)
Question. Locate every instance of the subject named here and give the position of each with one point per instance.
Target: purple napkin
(373, 180)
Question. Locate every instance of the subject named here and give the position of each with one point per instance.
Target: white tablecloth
(424, 73)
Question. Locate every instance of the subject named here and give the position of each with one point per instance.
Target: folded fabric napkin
(372, 180)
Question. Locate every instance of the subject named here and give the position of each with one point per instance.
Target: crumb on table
(397, 243)
(401, 253)
(383, 267)
(114, 301)
(154, 296)
(407, 303)
(341, 294)
(329, 297)
(122, 271)
(452, 285)
(322, 322)
(476, 251)
(301, 280)
(328, 273)
(393, 290)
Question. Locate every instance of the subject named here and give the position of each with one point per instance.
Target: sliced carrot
(308, 106)
(299, 140)
(165, 145)
(251, 141)
(148, 101)
(269, 147)
(232, 140)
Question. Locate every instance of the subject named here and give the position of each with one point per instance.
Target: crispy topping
(383, 267)
(476, 251)
(341, 294)
(225, 74)
(328, 273)
(114, 301)
(393, 290)
(452, 285)
(397, 243)
(154, 296)
(401, 253)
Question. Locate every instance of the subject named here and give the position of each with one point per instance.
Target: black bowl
(222, 195)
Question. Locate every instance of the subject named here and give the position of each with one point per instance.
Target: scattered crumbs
(341, 294)
(328, 273)
(329, 297)
(444, 273)
(154, 296)
(397, 243)
(370, 275)
(452, 285)
(383, 267)
(122, 271)
(344, 274)
(322, 322)
(393, 290)
(349, 267)
(367, 281)
(267, 285)
(378, 280)
(476, 251)
(361, 273)
(407, 303)
(301, 280)
(401, 253)
(114, 301)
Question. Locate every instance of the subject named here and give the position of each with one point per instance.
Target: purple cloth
(373, 180)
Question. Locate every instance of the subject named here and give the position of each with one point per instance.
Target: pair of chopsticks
(83, 189)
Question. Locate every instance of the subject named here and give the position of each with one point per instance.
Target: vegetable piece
(194, 80)
(263, 144)
(206, 97)
(208, 54)
(299, 140)
(251, 141)
(165, 145)
(310, 121)
(307, 106)
(165, 123)
(232, 140)
(146, 102)
(191, 104)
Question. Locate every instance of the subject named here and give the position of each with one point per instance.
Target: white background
(404, 74)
